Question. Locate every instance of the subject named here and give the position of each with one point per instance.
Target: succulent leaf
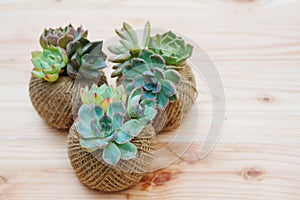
(162, 100)
(116, 107)
(168, 88)
(128, 150)
(119, 94)
(122, 137)
(172, 75)
(146, 35)
(86, 58)
(93, 144)
(86, 115)
(51, 77)
(134, 109)
(132, 34)
(111, 154)
(118, 120)
(150, 113)
(132, 127)
(104, 104)
(85, 129)
(88, 145)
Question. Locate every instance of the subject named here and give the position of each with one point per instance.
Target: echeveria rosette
(103, 96)
(141, 108)
(86, 58)
(149, 72)
(104, 128)
(60, 37)
(49, 63)
(129, 47)
(172, 48)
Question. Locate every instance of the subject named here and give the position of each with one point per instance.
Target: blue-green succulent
(86, 58)
(104, 124)
(150, 74)
(140, 107)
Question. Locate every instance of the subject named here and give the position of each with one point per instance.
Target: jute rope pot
(186, 95)
(53, 100)
(97, 175)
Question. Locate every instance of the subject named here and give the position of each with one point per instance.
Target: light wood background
(255, 45)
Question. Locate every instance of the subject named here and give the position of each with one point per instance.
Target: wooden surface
(256, 48)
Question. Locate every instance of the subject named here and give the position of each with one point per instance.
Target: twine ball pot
(53, 100)
(171, 117)
(98, 175)
(186, 95)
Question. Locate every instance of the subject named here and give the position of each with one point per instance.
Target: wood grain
(255, 45)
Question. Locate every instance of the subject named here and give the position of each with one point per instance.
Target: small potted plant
(66, 54)
(147, 77)
(111, 142)
(159, 65)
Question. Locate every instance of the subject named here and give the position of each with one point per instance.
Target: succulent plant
(61, 36)
(86, 58)
(148, 72)
(102, 126)
(140, 107)
(129, 47)
(49, 63)
(172, 48)
(102, 96)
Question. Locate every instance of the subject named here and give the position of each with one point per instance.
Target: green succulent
(140, 107)
(86, 58)
(49, 63)
(129, 47)
(104, 127)
(60, 37)
(102, 96)
(148, 72)
(172, 48)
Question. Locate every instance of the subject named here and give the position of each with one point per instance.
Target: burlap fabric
(94, 173)
(53, 101)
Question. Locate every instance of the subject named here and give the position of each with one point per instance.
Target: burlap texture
(53, 101)
(186, 95)
(95, 174)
